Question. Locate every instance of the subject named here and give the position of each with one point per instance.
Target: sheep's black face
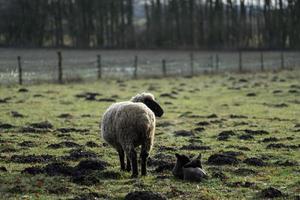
(154, 106)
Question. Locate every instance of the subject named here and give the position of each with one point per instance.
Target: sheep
(127, 125)
(189, 170)
(193, 170)
(181, 161)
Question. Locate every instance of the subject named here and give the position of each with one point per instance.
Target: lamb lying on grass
(127, 125)
(189, 170)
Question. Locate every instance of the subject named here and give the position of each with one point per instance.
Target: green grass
(196, 98)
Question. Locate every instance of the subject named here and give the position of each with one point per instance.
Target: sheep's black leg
(134, 164)
(128, 165)
(121, 157)
(144, 156)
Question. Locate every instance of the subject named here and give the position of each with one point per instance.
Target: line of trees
(203, 24)
(74, 23)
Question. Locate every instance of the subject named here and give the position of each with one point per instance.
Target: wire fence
(31, 66)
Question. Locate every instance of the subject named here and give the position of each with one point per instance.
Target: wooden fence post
(282, 60)
(211, 58)
(135, 66)
(164, 68)
(217, 62)
(20, 70)
(60, 71)
(192, 63)
(262, 67)
(240, 61)
(99, 66)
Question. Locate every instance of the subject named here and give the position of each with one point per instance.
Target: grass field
(46, 130)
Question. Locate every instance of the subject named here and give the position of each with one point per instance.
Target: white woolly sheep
(127, 125)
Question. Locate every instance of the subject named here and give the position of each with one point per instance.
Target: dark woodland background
(173, 24)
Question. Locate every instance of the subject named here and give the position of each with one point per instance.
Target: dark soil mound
(91, 165)
(33, 170)
(144, 195)
(3, 169)
(164, 167)
(244, 172)
(58, 168)
(23, 90)
(238, 116)
(38, 95)
(168, 95)
(219, 175)
(164, 124)
(199, 129)
(27, 144)
(281, 145)
(91, 144)
(7, 150)
(277, 91)
(246, 137)
(16, 114)
(161, 160)
(67, 144)
(32, 158)
(233, 153)
(242, 148)
(286, 163)
(68, 130)
(89, 96)
(28, 129)
(77, 154)
(246, 184)
(195, 140)
(251, 94)
(6, 126)
(256, 132)
(270, 139)
(255, 162)
(5, 100)
(183, 133)
(225, 135)
(195, 147)
(86, 179)
(165, 148)
(90, 196)
(222, 159)
(280, 105)
(42, 125)
(203, 123)
(65, 116)
(271, 193)
(212, 116)
(110, 175)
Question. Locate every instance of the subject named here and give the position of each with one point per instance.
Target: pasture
(251, 120)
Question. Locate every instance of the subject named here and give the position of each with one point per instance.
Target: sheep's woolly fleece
(127, 124)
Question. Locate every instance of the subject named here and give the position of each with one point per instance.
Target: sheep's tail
(148, 142)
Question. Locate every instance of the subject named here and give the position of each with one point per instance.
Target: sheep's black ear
(199, 156)
(196, 162)
(155, 107)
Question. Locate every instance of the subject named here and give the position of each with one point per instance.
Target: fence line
(137, 69)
